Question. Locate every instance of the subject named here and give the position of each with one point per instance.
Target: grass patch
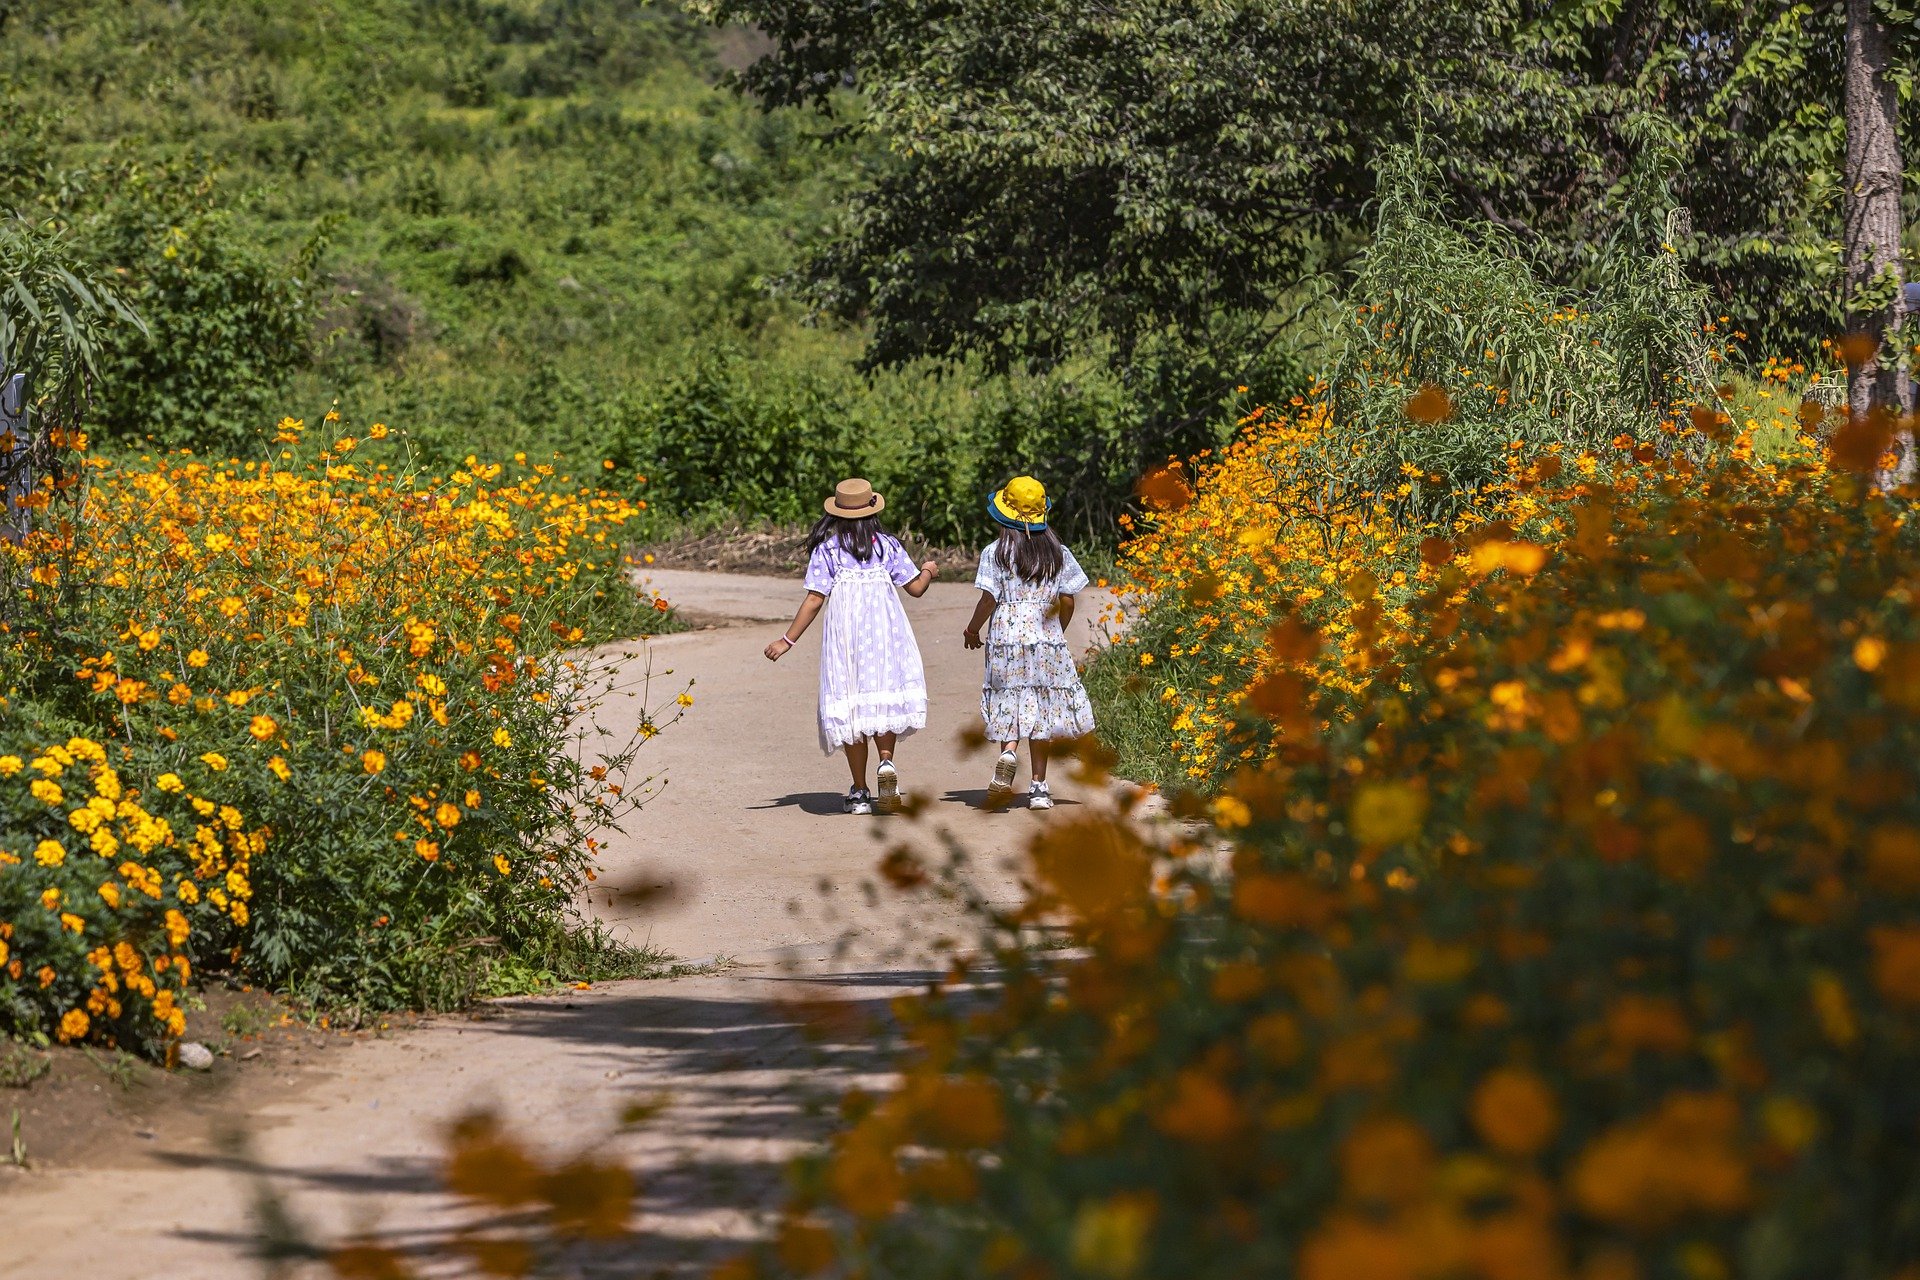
(583, 953)
(1133, 721)
(21, 1064)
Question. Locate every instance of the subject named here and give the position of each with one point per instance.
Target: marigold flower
(263, 727)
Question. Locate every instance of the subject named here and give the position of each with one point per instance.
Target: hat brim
(833, 508)
(1002, 515)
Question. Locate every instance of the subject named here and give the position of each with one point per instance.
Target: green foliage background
(505, 225)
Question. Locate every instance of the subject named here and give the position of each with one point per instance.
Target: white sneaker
(1000, 790)
(888, 801)
(858, 801)
(1038, 797)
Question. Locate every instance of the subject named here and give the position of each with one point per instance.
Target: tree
(1147, 178)
(1873, 221)
(1152, 175)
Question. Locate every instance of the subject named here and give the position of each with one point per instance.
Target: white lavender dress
(1031, 689)
(871, 680)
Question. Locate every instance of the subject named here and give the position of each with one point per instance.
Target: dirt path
(768, 875)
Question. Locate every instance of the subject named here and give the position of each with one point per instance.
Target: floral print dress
(871, 679)
(1032, 689)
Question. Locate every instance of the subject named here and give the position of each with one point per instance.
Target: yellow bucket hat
(1021, 504)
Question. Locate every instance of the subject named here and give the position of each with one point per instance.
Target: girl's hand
(778, 648)
(931, 569)
(970, 638)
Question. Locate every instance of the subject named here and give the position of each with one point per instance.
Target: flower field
(1259, 542)
(316, 721)
(1572, 927)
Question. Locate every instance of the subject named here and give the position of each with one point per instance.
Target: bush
(105, 897)
(735, 435)
(1579, 937)
(1512, 360)
(350, 700)
(226, 325)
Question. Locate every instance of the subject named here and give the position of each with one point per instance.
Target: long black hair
(856, 537)
(1031, 556)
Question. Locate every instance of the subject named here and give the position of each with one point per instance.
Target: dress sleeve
(900, 565)
(1072, 579)
(988, 577)
(820, 570)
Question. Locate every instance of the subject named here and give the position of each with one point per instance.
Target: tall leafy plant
(57, 319)
(1459, 353)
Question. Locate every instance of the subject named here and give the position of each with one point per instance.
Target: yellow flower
(47, 792)
(197, 658)
(279, 769)
(501, 865)
(1387, 813)
(169, 782)
(427, 849)
(73, 1024)
(1109, 1236)
(49, 853)
(214, 761)
(10, 765)
(501, 738)
(263, 727)
(447, 815)
(373, 761)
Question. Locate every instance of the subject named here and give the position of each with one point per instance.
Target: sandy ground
(767, 875)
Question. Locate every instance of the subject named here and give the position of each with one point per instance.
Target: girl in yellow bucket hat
(1027, 580)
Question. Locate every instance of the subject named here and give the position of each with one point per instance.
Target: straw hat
(854, 500)
(1021, 504)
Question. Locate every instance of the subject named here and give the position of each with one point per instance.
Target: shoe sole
(888, 801)
(859, 809)
(1000, 790)
(1040, 802)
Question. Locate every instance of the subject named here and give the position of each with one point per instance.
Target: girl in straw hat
(1027, 583)
(871, 682)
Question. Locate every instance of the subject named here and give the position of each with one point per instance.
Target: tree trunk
(1872, 213)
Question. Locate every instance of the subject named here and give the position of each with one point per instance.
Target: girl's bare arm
(982, 610)
(917, 586)
(802, 619)
(1064, 606)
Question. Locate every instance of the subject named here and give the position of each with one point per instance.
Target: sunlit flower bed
(314, 719)
(1574, 933)
(1216, 562)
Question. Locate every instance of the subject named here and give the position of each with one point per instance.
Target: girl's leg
(1037, 749)
(857, 761)
(885, 742)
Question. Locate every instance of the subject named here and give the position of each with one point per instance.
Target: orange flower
(1515, 1112)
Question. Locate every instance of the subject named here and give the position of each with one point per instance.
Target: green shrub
(1461, 308)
